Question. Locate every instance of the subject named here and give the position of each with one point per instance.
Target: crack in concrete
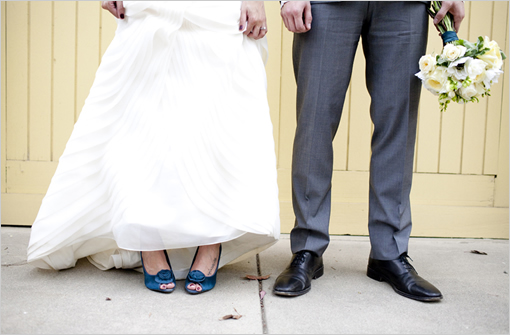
(262, 309)
(15, 264)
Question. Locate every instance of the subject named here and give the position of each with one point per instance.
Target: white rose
(493, 56)
(475, 69)
(452, 52)
(471, 91)
(437, 81)
(427, 63)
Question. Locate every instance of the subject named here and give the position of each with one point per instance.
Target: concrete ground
(85, 300)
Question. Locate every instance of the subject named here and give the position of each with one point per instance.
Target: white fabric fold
(173, 148)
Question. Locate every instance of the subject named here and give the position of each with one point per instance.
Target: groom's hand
(297, 16)
(456, 8)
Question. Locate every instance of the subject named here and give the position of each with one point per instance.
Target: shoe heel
(318, 273)
(374, 275)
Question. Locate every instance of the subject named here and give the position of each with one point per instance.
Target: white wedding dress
(173, 148)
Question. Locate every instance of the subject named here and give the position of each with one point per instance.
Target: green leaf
(469, 45)
(444, 63)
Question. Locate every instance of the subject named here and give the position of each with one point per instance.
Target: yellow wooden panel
(39, 103)
(427, 137)
(452, 190)
(273, 66)
(452, 121)
(494, 109)
(341, 142)
(17, 78)
(349, 218)
(288, 103)
(452, 129)
(20, 209)
(284, 185)
(3, 100)
(29, 177)
(480, 23)
(428, 221)
(429, 119)
(87, 50)
(467, 222)
(428, 188)
(501, 197)
(64, 57)
(360, 125)
(108, 27)
(287, 217)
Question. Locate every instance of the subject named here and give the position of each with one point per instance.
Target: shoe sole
(317, 274)
(162, 291)
(197, 292)
(380, 278)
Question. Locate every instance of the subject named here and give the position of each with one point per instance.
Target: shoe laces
(299, 259)
(403, 259)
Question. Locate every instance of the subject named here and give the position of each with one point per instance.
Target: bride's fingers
(258, 32)
(120, 9)
(242, 20)
(114, 7)
(109, 6)
(262, 31)
(255, 32)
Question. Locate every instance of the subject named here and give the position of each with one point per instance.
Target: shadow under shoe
(403, 278)
(296, 279)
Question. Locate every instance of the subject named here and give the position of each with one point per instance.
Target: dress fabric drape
(173, 148)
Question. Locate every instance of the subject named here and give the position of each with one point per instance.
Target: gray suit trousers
(394, 36)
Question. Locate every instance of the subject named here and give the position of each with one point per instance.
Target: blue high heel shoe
(198, 277)
(162, 277)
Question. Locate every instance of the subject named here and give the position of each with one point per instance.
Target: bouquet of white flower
(463, 71)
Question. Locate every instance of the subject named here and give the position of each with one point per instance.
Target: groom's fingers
(299, 23)
(445, 6)
(286, 21)
(458, 13)
(456, 8)
(289, 23)
(293, 13)
(308, 17)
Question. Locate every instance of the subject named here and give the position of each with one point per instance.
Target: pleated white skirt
(173, 148)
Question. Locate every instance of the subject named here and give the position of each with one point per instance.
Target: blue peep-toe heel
(162, 277)
(198, 277)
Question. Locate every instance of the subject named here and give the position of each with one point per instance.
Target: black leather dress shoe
(296, 278)
(403, 278)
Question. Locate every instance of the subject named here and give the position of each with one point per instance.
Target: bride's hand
(114, 7)
(253, 18)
